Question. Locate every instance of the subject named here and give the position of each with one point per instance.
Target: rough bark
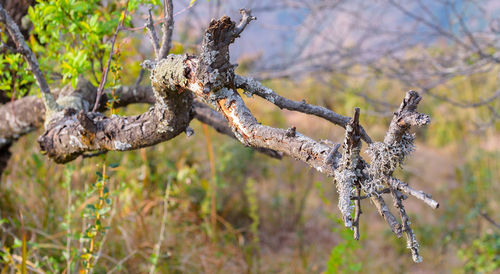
(252, 86)
(71, 130)
(208, 116)
(75, 131)
(28, 113)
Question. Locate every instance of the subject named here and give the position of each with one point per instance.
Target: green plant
(96, 213)
(253, 249)
(343, 255)
(483, 255)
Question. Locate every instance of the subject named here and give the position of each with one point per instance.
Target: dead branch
(207, 115)
(426, 198)
(176, 80)
(168, 28)
(357, 212)
(153, 37)
(346, 175)
(252, 86)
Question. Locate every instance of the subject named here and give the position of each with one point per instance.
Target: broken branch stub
(350, 168)
(346, 174)
(210, 77)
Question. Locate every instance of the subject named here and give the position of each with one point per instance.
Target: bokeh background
(280, 216)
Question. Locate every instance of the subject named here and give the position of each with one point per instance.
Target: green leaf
(17, 243)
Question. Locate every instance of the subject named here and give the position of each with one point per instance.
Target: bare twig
(357, 212)
(246, 17)
(139, 78)
(153, 37)
(384, 211)
(411, 240)
(104, 78)
(252, 86)
(168, 27)
(30, 57)
(399, 185)
(490, 220)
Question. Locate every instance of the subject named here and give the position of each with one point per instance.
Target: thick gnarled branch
(74, 133)
(210, 77)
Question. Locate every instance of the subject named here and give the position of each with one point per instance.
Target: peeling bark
(71, 130)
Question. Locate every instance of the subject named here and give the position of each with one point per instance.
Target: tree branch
(210, 77)
(346, 175)
(411, 240)
(168, 28)
(21, 45)
(426, 198)
(153, 37)
(357, 212)
(252, 86)
(30, 57)
(208, 116)
(104, 78)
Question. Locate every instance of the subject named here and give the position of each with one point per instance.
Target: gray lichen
(346, 175)
(413, 245)
(345, 182)
(121, 146)
(385, 159)
(167, 74)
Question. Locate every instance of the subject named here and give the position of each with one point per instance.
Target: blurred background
(271, 216)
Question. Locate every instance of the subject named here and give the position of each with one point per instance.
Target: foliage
(70, 39)
(268, 219)
(482, 256)
(15, 78)
(342, 257)
(70, 36)
(96, 213)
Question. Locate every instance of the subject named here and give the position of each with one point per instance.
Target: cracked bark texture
(71, 130)
(77, 131)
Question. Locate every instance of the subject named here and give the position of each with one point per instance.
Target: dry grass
(296, 222)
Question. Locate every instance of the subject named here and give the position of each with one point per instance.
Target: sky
(366, 29)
